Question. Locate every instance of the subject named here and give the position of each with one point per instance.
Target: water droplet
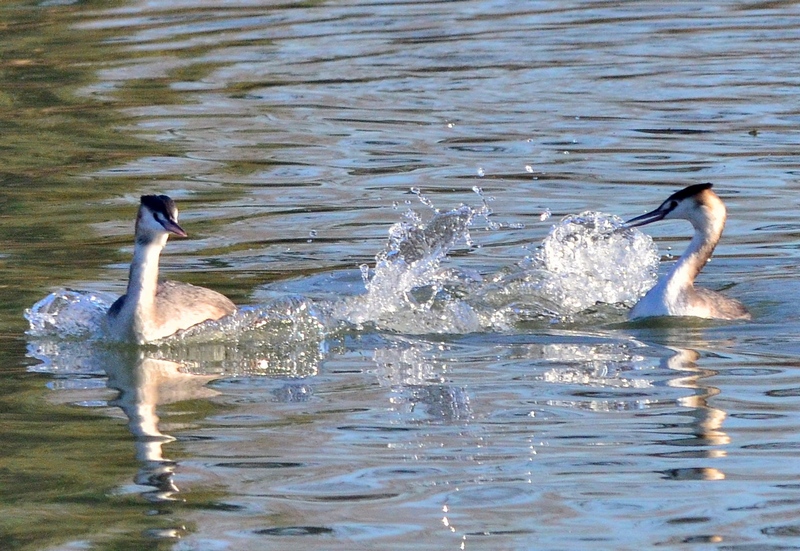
(424, 200)
(450, 125)
(481, 172)
(364, 273)
(312, 233)
(545, 215)
(528, 168)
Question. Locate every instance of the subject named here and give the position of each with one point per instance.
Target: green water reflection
(60, 470)
(51, 138)
(60, 465)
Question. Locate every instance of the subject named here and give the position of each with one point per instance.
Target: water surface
(292, 135)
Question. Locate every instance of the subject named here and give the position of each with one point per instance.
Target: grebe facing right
(151, 310)
(675, 294)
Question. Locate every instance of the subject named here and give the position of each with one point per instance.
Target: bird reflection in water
(144, 384)
(707, 420)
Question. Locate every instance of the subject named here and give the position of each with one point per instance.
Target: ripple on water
(415, 286)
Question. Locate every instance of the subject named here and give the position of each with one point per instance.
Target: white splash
(586, 260)
(593, 259)
(69, 314)
(408, 290)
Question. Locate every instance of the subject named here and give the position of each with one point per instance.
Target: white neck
(143, 277)
(704, 241)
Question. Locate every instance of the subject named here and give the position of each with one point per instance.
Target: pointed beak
(173, 227)
(652, 216)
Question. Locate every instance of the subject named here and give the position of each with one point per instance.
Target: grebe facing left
(675, 294)
(152, 310)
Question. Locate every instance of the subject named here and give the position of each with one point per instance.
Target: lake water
(417, 365)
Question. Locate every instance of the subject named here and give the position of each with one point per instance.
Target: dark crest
(160, 203)
(690, 191)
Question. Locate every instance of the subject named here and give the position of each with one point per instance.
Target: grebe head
(697, 204)
(158, 217)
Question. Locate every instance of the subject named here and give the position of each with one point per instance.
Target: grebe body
(675, 294)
